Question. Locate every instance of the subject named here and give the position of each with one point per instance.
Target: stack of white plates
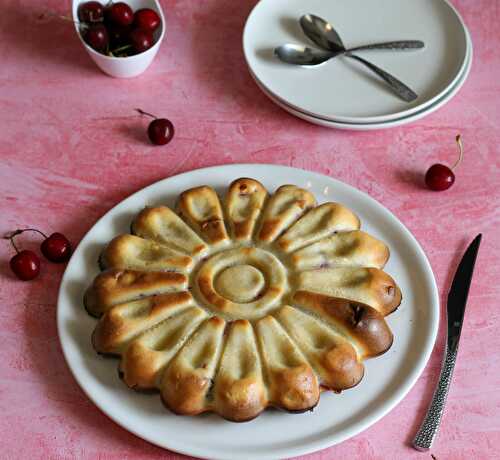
(341, 93)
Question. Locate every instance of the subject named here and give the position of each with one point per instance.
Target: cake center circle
(240, 283)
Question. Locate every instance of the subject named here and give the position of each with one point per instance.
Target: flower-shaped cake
(259, 301)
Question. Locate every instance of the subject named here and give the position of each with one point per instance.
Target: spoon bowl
(321, 32)
(302, 55)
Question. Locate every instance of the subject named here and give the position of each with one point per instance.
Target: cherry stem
(123, 48)
(64, 18)
(11, 239)
(461, 151)
(145, 113)
(10, 236)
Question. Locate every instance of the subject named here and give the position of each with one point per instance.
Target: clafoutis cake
(243, 303)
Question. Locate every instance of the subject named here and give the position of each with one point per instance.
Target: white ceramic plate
(273, 434)
(340, 89)
(382, 125)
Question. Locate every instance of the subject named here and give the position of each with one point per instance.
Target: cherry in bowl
(119, 14)
(96, 36)
(123, 53)
(89, 12)
(147, 19)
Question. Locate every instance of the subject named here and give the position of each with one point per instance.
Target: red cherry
(91, 12)
(147, 19)
(441, 177)
(141, 40)
(160, 131)
(118, 35)
(56, 248)
(120, 14)
(96, 36)
(25, 265)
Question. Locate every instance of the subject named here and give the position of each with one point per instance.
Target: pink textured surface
(71, 148)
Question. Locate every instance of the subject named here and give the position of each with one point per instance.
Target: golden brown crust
(361, 323)
(239, 391)
(115, 286)
(200, 207)
(286, 205)
(134, 253)
(347, 249)
(140, 366)
(184, 392)
(318, 223)
(244, 202)
(295, 389)
(164, 226)
(274, 286)
(330, 273)
(121, 323)
(342, 367)
(371, 286)
(331, 356)
(241, 400)
(292, 383)
(146, 357)
(189, 376)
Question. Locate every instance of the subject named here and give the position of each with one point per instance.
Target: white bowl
(125, 67)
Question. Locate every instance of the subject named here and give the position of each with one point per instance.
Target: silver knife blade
(457, 299)
(459, 291)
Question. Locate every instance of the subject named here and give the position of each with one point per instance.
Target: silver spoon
(324, 35)
(303, 55)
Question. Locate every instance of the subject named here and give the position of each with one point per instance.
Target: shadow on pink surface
(221, 66)
(411, 177)
(41, 38)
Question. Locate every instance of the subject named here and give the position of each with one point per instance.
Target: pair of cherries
(26, 264)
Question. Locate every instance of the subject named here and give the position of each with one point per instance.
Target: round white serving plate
(382, 125)
(341, 90)
(273, 434)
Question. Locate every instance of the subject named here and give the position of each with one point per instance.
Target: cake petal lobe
(318, 223)
(244, 203)
(283, 208)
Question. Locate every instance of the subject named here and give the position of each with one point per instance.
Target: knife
(457, 299)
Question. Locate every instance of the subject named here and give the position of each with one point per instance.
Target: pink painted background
(71, 148)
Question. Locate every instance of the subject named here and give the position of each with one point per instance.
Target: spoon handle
(399, 88)
(394, 46)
